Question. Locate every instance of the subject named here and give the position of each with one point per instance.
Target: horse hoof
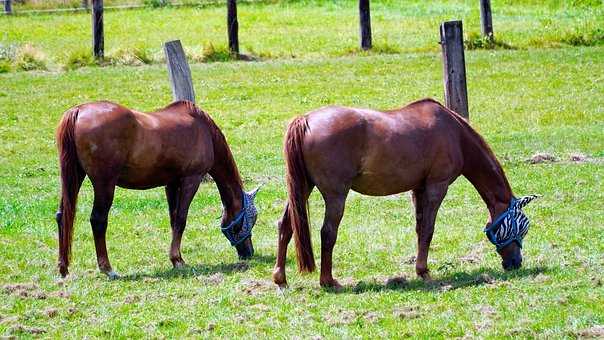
(426, 277)
(179, 265)
(333, 285)
(279, 278)
(63, 271)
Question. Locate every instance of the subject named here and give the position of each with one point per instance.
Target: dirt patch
(150, 279)
(26, 329)
(261, 307)
(372, 317)
(412, 312)
(256, 287)
(409, 260)
(485, 278)
(595, 332)
(341, 317)
(214, 279)
(542, 157)
(540, 278)
(130, 299)
(24, 290)
(487, 311)
(60, 294)
(578, 158)
(51, 312)
(396, 282)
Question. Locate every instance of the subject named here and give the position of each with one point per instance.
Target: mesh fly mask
(511, 226)
(247, 218)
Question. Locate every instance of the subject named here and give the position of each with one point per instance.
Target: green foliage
(79, 58)
(29, 58)
(211, 53)
(274, 30)
(156, 3)
(584, 38)
(130, 57)
(476, 41)
(5, 65)
(522, 101)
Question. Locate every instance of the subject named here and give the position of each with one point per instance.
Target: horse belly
(384, 184)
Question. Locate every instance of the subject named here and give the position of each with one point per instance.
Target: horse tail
(70, 184)
(298, 185)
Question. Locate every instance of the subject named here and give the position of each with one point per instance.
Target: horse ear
(253, 193)
(523, 201)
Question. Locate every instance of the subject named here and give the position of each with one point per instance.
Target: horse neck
(485, 173)
(227, 178)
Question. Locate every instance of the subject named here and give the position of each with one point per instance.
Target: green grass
(310, 29)
(522, 101)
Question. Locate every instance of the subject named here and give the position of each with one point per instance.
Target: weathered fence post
(179, 71)
(233, 26)
(365, 23)
(85, 4)
(486, 20)
(98, 39)
(8, 9)
(454, 67)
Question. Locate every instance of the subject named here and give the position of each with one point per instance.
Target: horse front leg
(334, 210)
(285, 235)
(180, 195)
(427, 200)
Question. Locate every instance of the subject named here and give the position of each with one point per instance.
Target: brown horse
(421, 147)
(173, 147)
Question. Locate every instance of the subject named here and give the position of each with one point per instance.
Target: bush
(79, 58)
(476, 41)
(5, 66)
(588, 38)
(210, 54)
(156, 3)
(131, 57)
(28, 58)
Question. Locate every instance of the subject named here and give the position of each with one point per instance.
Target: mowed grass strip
(523, 102)
(303, 29)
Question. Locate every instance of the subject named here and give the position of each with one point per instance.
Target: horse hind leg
(103, 199)
(427, 200)
(285, 236)
(334, 210)
(179, 197)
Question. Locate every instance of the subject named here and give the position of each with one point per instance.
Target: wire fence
(50, 6)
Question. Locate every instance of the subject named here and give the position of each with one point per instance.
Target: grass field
(304, 29)
(523, 102)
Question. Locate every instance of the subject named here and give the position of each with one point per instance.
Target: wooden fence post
(454, 67)
(8, 9)
(486, 20)
(233, 26)
(85, 4)
(365, 23)
(179, 71)
(98, 39)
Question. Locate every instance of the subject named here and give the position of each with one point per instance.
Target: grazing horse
(421, 147)
(173, 147)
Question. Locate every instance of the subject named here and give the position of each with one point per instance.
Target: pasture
(544, 97)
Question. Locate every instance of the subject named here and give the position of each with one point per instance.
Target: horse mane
(474, 137)
(221, 147)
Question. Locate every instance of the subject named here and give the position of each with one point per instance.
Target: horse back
(382, 153)
(142, 149)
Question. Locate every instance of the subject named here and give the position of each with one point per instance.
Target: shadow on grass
(451, 281)
(203, 269)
